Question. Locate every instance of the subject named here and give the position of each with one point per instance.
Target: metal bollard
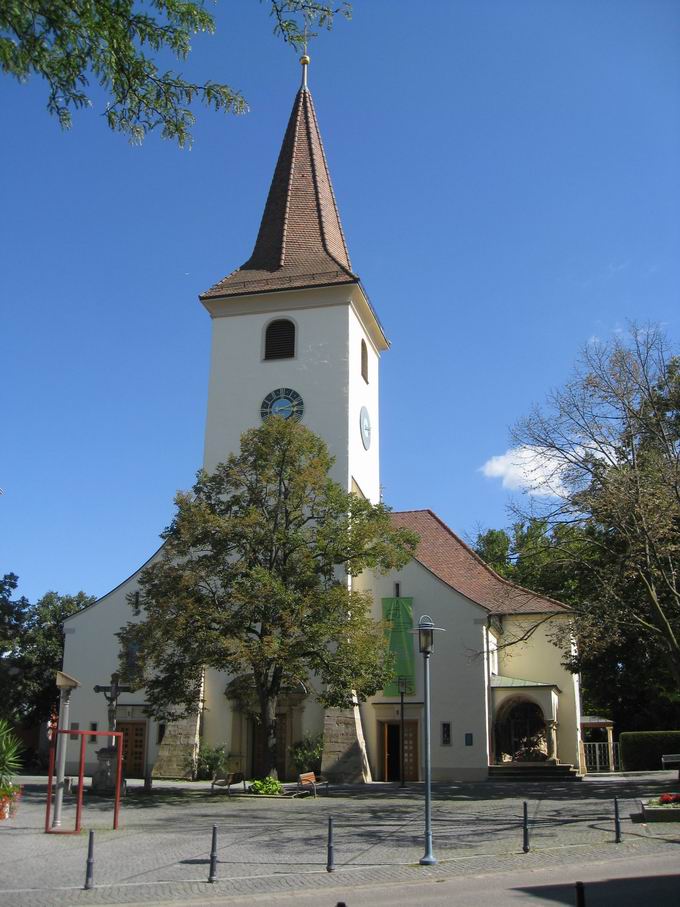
(212, 877)
(617, 822)
(89, 871)
(580, 895)
(330, 865)
(525, 828)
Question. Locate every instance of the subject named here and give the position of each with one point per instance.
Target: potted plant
(10, 764)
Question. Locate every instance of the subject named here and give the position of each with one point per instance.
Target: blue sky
(507, 176)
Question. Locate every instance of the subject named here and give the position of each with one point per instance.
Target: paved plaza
(270, 848)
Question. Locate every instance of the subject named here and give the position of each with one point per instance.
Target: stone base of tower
(344, 757)
(178, 750)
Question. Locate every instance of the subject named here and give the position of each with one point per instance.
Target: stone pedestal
(104, 778)
(344, 748)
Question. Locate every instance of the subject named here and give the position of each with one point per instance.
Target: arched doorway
(520, 732)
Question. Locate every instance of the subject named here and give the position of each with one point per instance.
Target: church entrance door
(391, 747)
(134, 747)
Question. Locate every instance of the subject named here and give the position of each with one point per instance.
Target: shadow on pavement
(663, 890)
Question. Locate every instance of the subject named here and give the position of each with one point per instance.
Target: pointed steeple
(300, 242)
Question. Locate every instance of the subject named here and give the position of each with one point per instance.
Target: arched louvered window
(364, 361)
(279, 340)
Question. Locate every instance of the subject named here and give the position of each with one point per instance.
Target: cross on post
(111, 694)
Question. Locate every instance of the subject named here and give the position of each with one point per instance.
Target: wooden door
(134, 747)
(391, 745)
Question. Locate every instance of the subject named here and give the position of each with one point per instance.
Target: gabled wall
(458, 676)
(91, 656)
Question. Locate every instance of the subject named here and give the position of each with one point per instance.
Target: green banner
(398, 614)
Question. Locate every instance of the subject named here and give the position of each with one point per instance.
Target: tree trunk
(267, 730)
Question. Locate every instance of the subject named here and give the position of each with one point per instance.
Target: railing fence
(600, 758)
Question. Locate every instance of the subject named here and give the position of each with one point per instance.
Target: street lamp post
(66, 685)
(426, 630)
(402, 683)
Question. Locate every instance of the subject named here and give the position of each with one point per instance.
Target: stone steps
(534, 771)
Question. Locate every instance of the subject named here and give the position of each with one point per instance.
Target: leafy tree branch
(118, 44)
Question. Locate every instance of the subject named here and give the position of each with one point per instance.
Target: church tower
(293, 331)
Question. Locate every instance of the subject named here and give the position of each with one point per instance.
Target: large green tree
(120, 44)
(621, 677)
(32, 653)
(253, 580)
(603, 518)
(607, 448)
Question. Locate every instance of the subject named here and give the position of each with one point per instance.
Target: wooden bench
(671, 760)
(308, 781)
(226, 780)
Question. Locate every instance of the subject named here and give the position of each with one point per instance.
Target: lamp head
(426, 630)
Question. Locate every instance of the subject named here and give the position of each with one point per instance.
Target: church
(294, 333)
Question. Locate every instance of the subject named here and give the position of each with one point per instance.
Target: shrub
(10, 764)
(210, 761)
(642, 750)
(266, 786)
(10, 748)
(306, 753)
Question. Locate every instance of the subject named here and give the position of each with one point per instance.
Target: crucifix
(111, 694)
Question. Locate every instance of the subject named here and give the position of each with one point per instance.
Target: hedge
(642, 750)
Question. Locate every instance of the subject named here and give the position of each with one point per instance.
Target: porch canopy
(508, 692)
(589, 722)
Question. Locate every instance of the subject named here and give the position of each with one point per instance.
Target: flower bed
(665, 808)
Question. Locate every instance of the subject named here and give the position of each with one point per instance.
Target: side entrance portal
(520, 731)
(391, 750)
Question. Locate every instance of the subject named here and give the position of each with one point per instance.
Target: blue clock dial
(284, 402)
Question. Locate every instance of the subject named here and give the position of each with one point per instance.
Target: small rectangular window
(93, 727)
(468, 740)
(397, 590)
(446, 733)
(75, 726)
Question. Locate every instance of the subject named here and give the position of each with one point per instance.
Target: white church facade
(293, 332)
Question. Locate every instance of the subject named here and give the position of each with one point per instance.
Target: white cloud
(526, 468)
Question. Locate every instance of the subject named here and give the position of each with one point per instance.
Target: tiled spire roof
(300, 242)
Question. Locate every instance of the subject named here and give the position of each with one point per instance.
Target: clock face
(365, 427)
(284, 402)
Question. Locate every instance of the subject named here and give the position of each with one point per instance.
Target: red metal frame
(81, 775)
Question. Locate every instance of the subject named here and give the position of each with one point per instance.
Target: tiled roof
(596, 721)
(300, 242)
(457, 565)
(498, 682)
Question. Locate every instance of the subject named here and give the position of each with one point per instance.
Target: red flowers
(667, 799)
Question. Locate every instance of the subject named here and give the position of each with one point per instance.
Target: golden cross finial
(304, 59)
